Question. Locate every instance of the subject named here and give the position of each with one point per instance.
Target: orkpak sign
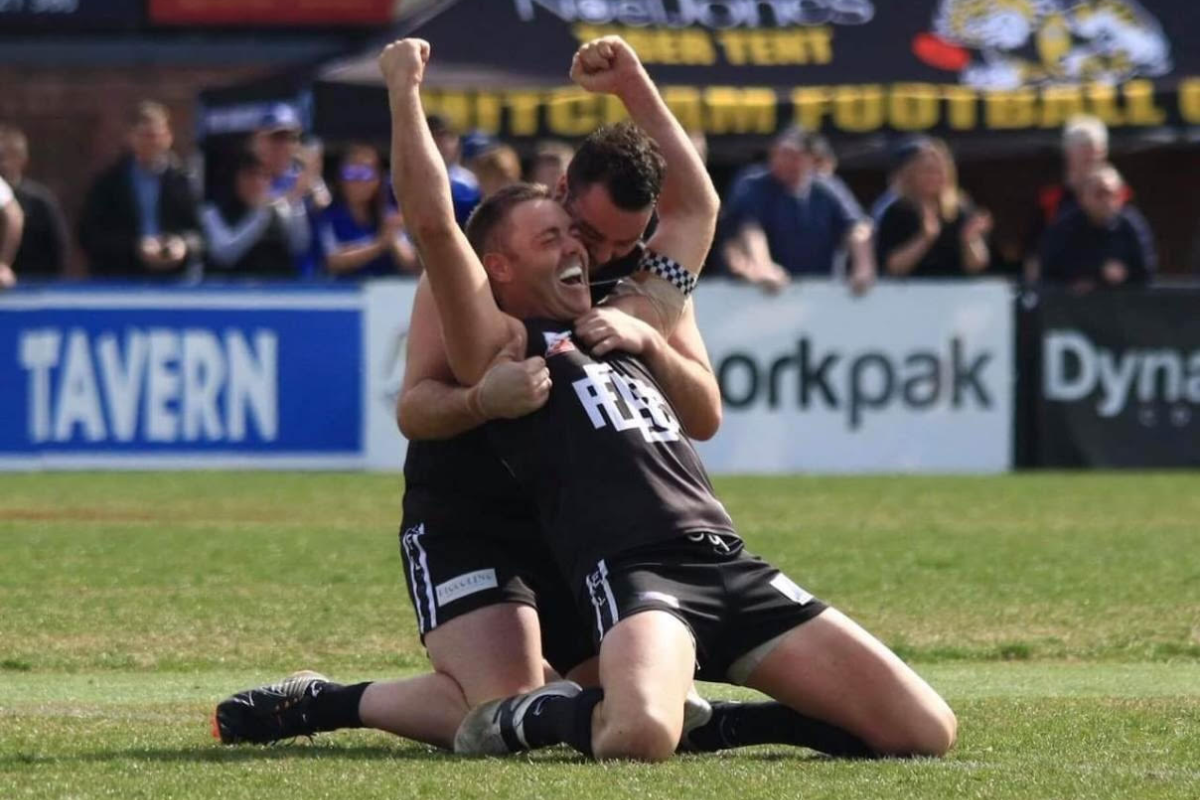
(910, 377)
(179, 379)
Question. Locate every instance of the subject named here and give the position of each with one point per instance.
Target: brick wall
(76, 118)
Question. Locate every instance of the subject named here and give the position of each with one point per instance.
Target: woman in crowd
(361, 233)
(932, 230)
(250, 235)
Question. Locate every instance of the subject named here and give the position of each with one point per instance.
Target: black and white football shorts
(453, 567)
(736, 605)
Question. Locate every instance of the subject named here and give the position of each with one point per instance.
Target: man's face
(790, 164)
(1083, 156)
(548, 266)
(13, 159)
(608, 232)
(150, 141)
(1102, 197)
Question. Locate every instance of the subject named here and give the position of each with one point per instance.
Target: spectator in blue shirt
(787, 220)
(464, 188)
(1102, 242)
(295, 171)
(361, 234)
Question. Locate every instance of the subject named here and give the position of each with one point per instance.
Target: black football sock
(743, 724)
(563, 720)
(336, 706)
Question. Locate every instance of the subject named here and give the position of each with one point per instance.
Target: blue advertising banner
(177, 379)
(69, 15)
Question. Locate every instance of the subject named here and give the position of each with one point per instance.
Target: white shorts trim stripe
(596, 581)
(420, 579)
(608, 594)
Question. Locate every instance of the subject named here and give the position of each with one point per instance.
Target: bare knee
(643, 735)
(931, 733)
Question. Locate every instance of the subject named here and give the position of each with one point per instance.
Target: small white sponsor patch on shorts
(788, 589)
(662, 597)
(466, 584)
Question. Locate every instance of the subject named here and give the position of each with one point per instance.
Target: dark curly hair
(622, 158)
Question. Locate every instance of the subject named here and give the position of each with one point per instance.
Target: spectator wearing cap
(139, 219)
(932, 230)
(1084, 147)
(295, 170)
(249, 234)
(1103, 241)
(464, 187)
(43, 249)
(12, 223)
(787, 220)
(495, 168)
(549, 163)
(361, 234)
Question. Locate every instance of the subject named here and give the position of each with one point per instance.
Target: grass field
(1060, 615)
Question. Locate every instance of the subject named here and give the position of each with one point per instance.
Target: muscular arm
(688, 206)
(686, 375)
(433, 406)
(475, 329)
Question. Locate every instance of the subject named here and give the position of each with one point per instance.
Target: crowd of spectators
(269, 214)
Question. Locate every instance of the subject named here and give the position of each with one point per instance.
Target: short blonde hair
(1085, 129)
(499, 163)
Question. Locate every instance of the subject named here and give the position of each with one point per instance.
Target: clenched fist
(512, 389)
(403, 63)
(605, 65)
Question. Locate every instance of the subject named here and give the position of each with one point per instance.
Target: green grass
(1060, 615)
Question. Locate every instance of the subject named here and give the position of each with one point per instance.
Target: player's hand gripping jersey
(605, 460)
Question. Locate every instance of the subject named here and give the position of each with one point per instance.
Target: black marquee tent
(992, 78)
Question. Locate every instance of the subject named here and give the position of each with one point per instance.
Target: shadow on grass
(233, 755)
(242, 755)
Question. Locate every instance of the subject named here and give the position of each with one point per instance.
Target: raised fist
(403, 62)
(604, 65)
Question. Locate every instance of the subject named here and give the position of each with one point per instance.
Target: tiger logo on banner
(1006, 44)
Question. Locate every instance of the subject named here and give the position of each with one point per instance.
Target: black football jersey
(605, 461)
(461, 483)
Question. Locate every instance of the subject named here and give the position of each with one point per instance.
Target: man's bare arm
(691, 385)
(475, 329)
(679, 364)
(688, 206)
(433, 406)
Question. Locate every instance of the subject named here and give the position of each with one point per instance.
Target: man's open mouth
(573, 275)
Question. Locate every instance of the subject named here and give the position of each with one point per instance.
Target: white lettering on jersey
(610, 398)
